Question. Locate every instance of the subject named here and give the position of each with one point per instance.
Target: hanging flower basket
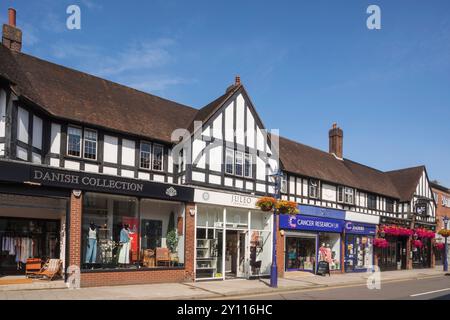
(424, 233)
(444, 232)
(397, 231)
(380, 243)
(417, 244)
(287, 207)
(439, 246)
(266, 203)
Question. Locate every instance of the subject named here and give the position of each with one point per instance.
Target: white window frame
(340, 192)
(84, 144)
(229, 152)
(150, 163)
(248, 157)
(311, 185)
(349, 192)
(154, 146)
(68, 138)
(241, 156)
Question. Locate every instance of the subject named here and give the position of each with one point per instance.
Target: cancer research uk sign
(309, 223)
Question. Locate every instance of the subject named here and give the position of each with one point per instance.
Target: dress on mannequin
(124, 255)
(91, 251)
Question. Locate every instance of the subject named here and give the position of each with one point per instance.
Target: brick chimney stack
(336, 141)
(12, 36)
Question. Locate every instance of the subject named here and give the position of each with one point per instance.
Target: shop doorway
(30, 228)
(235, 254)
(394, 256)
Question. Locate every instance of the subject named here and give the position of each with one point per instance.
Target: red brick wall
(94, 279)
(441, 211)
(280, 251)
(75, 230)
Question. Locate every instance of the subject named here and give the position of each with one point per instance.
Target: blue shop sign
(300, 222)
(360, 228)
(321, 212)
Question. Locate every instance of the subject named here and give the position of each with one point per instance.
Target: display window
(330, 249)
(358, 252)
(301, 253)
(125, 233)
(422, 255)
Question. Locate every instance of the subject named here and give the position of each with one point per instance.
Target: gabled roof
(437, 185)
(205, 113)
(77, 96)
(406, 181)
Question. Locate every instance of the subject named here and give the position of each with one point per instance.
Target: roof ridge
(99, 78)
(405, 169)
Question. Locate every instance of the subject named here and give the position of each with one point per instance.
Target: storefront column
(280, 252)
(343, 250)
(75, 229)
(409, 260)
(189, 258)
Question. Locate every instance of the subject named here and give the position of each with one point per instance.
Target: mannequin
(325, 253)
(125, 239)
(91, 251)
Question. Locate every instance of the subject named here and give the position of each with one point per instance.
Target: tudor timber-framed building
(82, 157)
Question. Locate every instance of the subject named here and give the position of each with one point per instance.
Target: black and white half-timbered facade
(103, 177)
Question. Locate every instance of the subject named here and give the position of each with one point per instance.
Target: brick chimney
(237, 81)
(336, 141)
(12, 36)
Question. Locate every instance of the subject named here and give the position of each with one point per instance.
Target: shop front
(312, 236)
(233, 238)
(422, 246)
(119, 230)
(360, 230)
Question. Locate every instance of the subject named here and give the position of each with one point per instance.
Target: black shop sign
(52, 177)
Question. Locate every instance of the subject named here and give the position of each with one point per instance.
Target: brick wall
(94, 279)
(441, 211)
(280, 251)
(76, 205)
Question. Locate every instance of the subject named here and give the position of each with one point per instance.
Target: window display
(359, 253)
(301, 253)
(330, 249)
(123, 232)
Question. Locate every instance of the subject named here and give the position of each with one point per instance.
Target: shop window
(358, 252)
(145, 155)
(248, 166)
(372, 201)
(157, 161)
(301, 253)
(74, 142)
(313, 188)
(109, 231)
(90, 144)
(118, 236)
(330, 249)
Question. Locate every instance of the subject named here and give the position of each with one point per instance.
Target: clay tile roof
(77, 96)
(406, 180)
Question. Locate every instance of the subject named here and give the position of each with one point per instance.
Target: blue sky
(305, 64)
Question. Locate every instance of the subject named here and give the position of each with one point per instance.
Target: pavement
(228, 289)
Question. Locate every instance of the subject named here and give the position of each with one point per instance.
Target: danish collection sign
(60, 178)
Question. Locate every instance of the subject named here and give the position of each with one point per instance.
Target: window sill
(74, 158)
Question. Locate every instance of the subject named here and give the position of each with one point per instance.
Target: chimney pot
(237, 81)
(12, 17)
